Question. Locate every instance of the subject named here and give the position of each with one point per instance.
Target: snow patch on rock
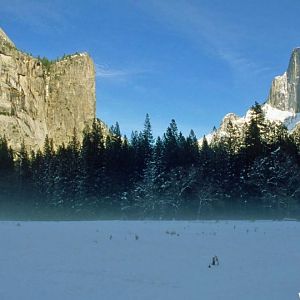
(288, 118)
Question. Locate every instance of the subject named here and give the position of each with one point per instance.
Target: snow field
(155, 260)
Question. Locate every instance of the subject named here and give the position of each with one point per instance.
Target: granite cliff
(285, 90)
(39, 99)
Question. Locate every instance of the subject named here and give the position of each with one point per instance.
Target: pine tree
(24, 173)
(257, 114)
(114, 165)
(23, 162)
(193, 147)
(92, 165)
(171, 146)
(6, 156)
(68, 175)
(158, 160)
(232, 138)
(252, 142)
(48, 148)
(148, 139)
(7, 178)
(295, 136)
(205, 156)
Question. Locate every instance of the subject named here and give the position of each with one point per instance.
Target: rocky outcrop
(39, 99)
(285, 90)
(282, 105)
(231, 117)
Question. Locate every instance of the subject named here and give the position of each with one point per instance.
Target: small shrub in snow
(172, 232)
(215, 261)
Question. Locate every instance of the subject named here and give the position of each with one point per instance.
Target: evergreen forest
(252, 171)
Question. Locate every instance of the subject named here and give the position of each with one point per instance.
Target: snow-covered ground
(149, 260)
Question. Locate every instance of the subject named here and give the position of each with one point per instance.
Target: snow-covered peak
(282, 105)
(288, 118)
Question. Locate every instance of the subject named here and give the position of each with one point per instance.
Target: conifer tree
(148, 139)
(205, 156)
(24, 172)
(171, 146)
(92, 164)
(7, 178)
(231, 140)
(252, 142)
(6, 156)
(192, 148)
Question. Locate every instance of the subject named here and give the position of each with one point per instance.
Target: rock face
(282, 105)
(285, 90)
(38, 99)
(231, 117)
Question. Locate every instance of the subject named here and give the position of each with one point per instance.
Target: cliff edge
(285, 89)
(39, 98)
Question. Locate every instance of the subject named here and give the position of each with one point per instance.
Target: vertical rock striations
(285, 90)
(39, 99)
(70, 96)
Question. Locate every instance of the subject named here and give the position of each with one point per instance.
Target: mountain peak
(285, 90)
(296, 51)
(283, 104)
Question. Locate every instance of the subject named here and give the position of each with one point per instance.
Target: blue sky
(193, 61)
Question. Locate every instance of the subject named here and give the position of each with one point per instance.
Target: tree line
(248, 170)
